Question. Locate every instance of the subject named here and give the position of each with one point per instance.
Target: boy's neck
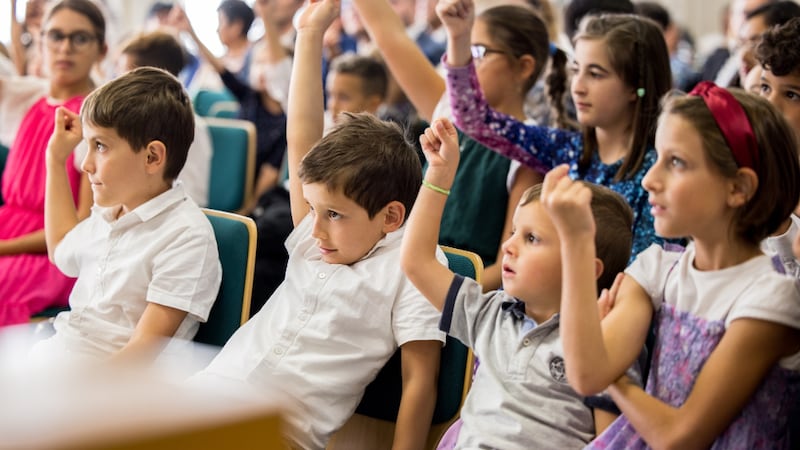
(541, 311)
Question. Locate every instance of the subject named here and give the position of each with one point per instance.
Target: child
(779, 83)
(355, 84)
(620, 71)
(162, 50)
(513, 47)
(344, 306)
(726, 369)
(73, 42)
(519, 398)
(146, 259)
(259, 103)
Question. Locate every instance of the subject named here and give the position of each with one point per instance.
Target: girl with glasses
(73, 41)
(514, 47)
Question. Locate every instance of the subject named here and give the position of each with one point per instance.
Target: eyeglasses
(480, 51)
(78, 40)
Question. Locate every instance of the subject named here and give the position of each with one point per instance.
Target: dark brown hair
(369, 160)
(156, 49)
(638, 54)
(778, 51)
(84, 8)
(613, 237)
(370, 71)
(144, 105)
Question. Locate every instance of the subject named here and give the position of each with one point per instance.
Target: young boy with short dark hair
(146, 259)
(356, 83)
(344, 306)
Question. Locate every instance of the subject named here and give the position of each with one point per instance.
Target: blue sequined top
(543, 148)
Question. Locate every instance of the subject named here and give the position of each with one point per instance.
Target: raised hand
(568, 203)
(440, 145)
(318, 15)
(67, 134)
(457, 16)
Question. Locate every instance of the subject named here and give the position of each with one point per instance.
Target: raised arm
(595, 355)
(440, 144)
(304, 119)
(18, 55)
(410, 67)
(179, 19)
(60, 214)
(540, 148)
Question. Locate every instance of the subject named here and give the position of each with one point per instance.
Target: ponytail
(556, 84)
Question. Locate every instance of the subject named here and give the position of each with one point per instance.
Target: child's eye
(334, 215)
(596, 75)
(794, 96)
(764, 89)
(676, 162)
(100, 147)
(532, 238)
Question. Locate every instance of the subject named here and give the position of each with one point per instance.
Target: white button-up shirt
(162, 252)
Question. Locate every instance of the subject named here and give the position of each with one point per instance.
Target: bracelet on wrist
(435, 188)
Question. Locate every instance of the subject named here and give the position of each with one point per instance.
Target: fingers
(66, 120)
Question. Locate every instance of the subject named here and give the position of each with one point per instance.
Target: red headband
(732, 121)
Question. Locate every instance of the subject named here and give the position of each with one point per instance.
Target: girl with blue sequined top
(619, 73)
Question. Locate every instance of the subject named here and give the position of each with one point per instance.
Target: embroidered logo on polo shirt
(557, 370)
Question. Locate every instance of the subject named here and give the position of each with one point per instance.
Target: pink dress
(29, 283)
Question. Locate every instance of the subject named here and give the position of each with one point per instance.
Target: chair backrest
(236, 242)
(204, 101)
(225, 109)
(233, 162)
(382, 397)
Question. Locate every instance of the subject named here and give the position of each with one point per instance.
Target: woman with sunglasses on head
(73, 41)
(513, 48)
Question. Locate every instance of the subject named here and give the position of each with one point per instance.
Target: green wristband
(435, 188)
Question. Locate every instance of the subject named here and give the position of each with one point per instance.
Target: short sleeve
(468, 310)
(650, 269)
(414, 318)
(187, 273)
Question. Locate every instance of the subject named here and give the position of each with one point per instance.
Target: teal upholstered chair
(236, 241)
(215, 103)
(233, 159)
(372, 426)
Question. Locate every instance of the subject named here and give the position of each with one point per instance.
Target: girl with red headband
(725, 371)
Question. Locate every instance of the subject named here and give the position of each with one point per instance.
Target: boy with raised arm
(520, 398)
(345, 306)
(146, 258)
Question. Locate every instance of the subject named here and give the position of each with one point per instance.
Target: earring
(640, 92)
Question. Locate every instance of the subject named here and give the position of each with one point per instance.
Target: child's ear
(598, 268)
(743, 187)
(155, 156)
(527, 66)
(394, 216)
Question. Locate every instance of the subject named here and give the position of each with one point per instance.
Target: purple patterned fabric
(683, 344)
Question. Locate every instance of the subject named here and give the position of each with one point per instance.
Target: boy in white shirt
(146, 259)
(345, 305)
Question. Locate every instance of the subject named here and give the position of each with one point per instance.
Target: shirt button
(322, 275)
(278, 350)
(526, 342)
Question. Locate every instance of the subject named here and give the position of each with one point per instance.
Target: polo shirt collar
(146, 210)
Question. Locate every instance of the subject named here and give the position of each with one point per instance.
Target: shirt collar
(514, 307)
(146, 210)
